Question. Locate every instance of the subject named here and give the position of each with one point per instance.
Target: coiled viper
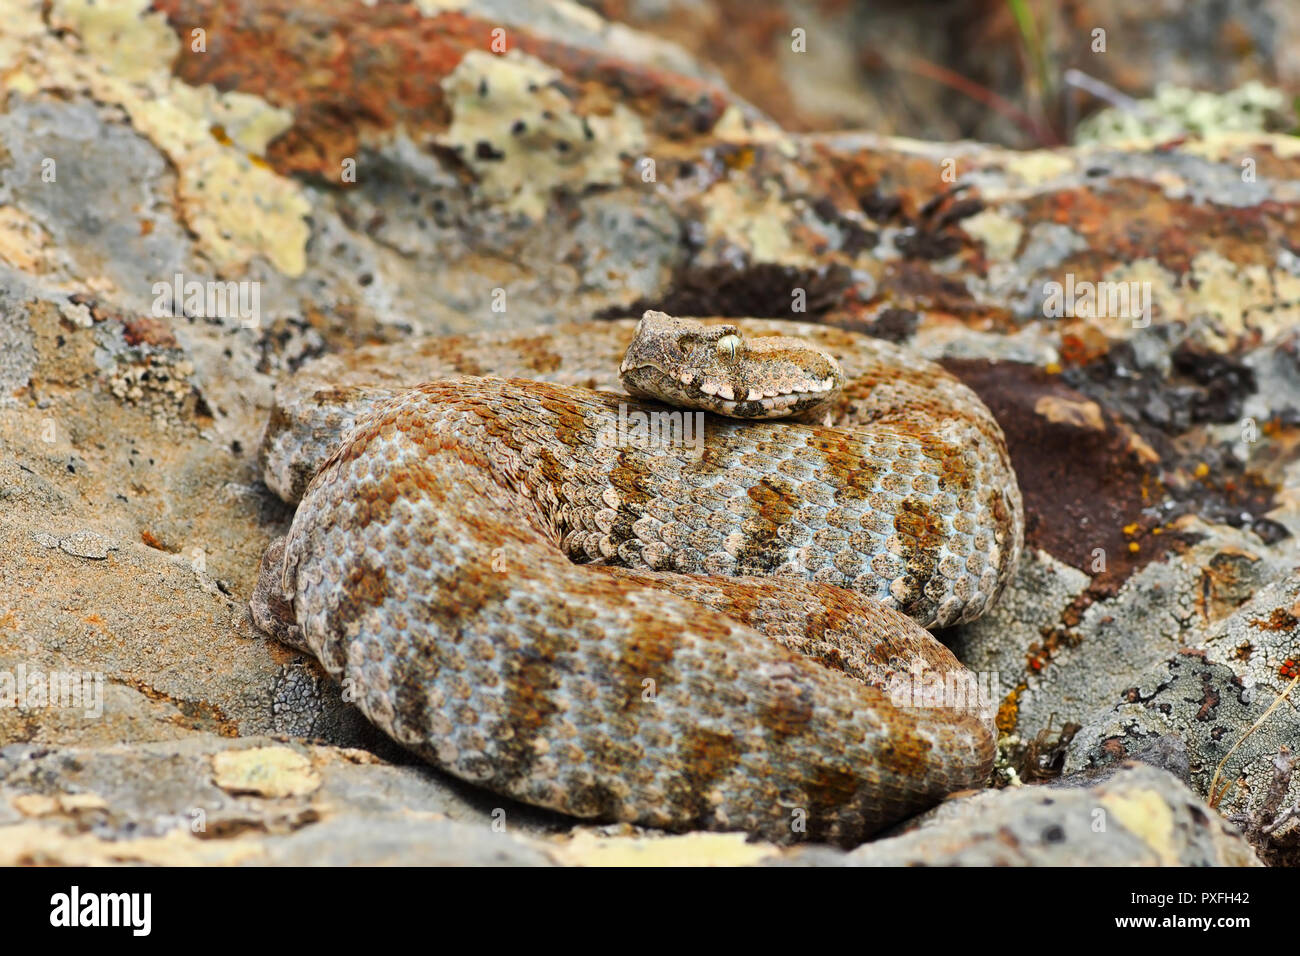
(532, 589)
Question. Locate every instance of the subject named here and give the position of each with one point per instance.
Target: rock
(882, 66)
(629, 846)
(191, 802)
(265, 772)
(1139, 816)
(79, 544)
(1169, 753)
(1177, 111)
(1229, 699)
(1045, 639)
(215, 801)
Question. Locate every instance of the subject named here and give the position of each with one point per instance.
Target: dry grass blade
(1216, 797)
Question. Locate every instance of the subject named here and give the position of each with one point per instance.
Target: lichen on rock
(516, 127)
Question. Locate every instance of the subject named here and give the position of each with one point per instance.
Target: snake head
(716, 368)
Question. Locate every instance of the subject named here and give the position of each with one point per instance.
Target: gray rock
(256, 800)
(1211, 696)
(1139, 816)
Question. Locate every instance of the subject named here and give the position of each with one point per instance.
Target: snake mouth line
(773, 405)
(726, 399)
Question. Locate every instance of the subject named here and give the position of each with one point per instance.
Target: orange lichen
(1009, 711)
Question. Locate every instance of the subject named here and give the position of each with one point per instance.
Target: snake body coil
(685, 634)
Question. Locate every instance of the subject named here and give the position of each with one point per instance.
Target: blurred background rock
(1000, 71)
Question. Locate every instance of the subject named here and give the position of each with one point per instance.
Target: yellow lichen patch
(585, 848)
(431, 8)
(733, 126)
(23, 243)
(1235, 295)
(20, 28)
(1146, 815)
(1236, 146)
(757, 222)
(522, 136)
(1038, 166)
(1155, 288)
(244, 215)
(35, 805)
(236, 206)
(249, 121)
(126, 39)
(1000, 234)
(41, 805)
(265, 771)
(587, 19)
(35, 843)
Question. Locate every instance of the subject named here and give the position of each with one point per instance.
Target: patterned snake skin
(528, 592)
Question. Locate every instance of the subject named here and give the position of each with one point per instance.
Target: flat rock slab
(214, 801)
(209, 800)
(1139, 816)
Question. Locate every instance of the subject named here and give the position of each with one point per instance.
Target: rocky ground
(380, 171)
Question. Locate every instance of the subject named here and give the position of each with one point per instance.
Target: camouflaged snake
(619, 625)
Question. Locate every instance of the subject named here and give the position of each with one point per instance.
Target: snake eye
(729, 345)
